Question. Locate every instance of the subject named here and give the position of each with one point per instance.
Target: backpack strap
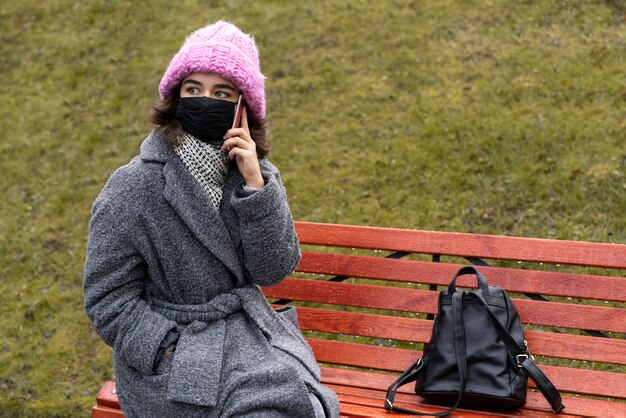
(524, 361)
(417, 368)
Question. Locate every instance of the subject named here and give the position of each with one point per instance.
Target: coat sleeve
(270, 243)
(113, 287)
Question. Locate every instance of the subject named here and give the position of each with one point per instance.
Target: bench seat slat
(510, 279)
(411, 300)
(589, 382)
(365, 325)
(376, 398)
(568, 346)
(361, 355)
(106, 412)
(351, 381)
(357, 405)
(106, 395)
(466, 245)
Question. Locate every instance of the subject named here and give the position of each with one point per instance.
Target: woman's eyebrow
(192, 81)
(225, 86)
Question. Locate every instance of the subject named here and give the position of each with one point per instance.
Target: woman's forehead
(208, 78)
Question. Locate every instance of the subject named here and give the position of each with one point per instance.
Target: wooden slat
(362, 411)
(361, 379)
(356, 405)
(107, 396)
(365, 325)
(365, 296)
(567, 315)
(361, 355)
(351, 396)
(575, 347)
(106, 412)
(338, 379)
(421, 301)
(465, 245)
(513, 280)
(587, 382)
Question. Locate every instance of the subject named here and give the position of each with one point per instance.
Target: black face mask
(205, 118)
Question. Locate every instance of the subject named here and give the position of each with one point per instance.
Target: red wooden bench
(367, 296)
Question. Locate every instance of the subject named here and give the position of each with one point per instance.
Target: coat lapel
(227, 212)
(192, 204)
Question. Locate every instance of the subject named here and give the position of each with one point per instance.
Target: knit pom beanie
(223, 49)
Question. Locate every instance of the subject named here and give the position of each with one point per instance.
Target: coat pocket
(197, 366)
(165, 365)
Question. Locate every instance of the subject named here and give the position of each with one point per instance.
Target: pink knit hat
(223, 49)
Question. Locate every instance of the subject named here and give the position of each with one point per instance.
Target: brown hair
(163, 119)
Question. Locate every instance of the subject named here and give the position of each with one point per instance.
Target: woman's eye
(193, 90)
(222, 94)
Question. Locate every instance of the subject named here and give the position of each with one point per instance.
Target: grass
(501, 116)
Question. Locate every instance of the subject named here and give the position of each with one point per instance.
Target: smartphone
(238, 111)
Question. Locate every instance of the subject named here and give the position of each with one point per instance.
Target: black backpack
(477, 356)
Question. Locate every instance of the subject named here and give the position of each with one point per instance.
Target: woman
(181, 237)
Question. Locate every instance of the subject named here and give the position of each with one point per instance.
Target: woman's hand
(240, 146)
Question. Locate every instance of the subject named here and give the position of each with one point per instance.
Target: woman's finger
(242, 153)
(238, 132)
(244, 120)
(238, 142)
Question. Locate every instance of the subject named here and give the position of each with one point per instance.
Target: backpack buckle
(524, 356)
(520, 359)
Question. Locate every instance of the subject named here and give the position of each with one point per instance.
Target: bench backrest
(367, 297)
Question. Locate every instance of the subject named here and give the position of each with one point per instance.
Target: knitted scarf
(207, 163)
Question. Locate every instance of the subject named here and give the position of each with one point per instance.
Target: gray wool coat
(159, 256)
